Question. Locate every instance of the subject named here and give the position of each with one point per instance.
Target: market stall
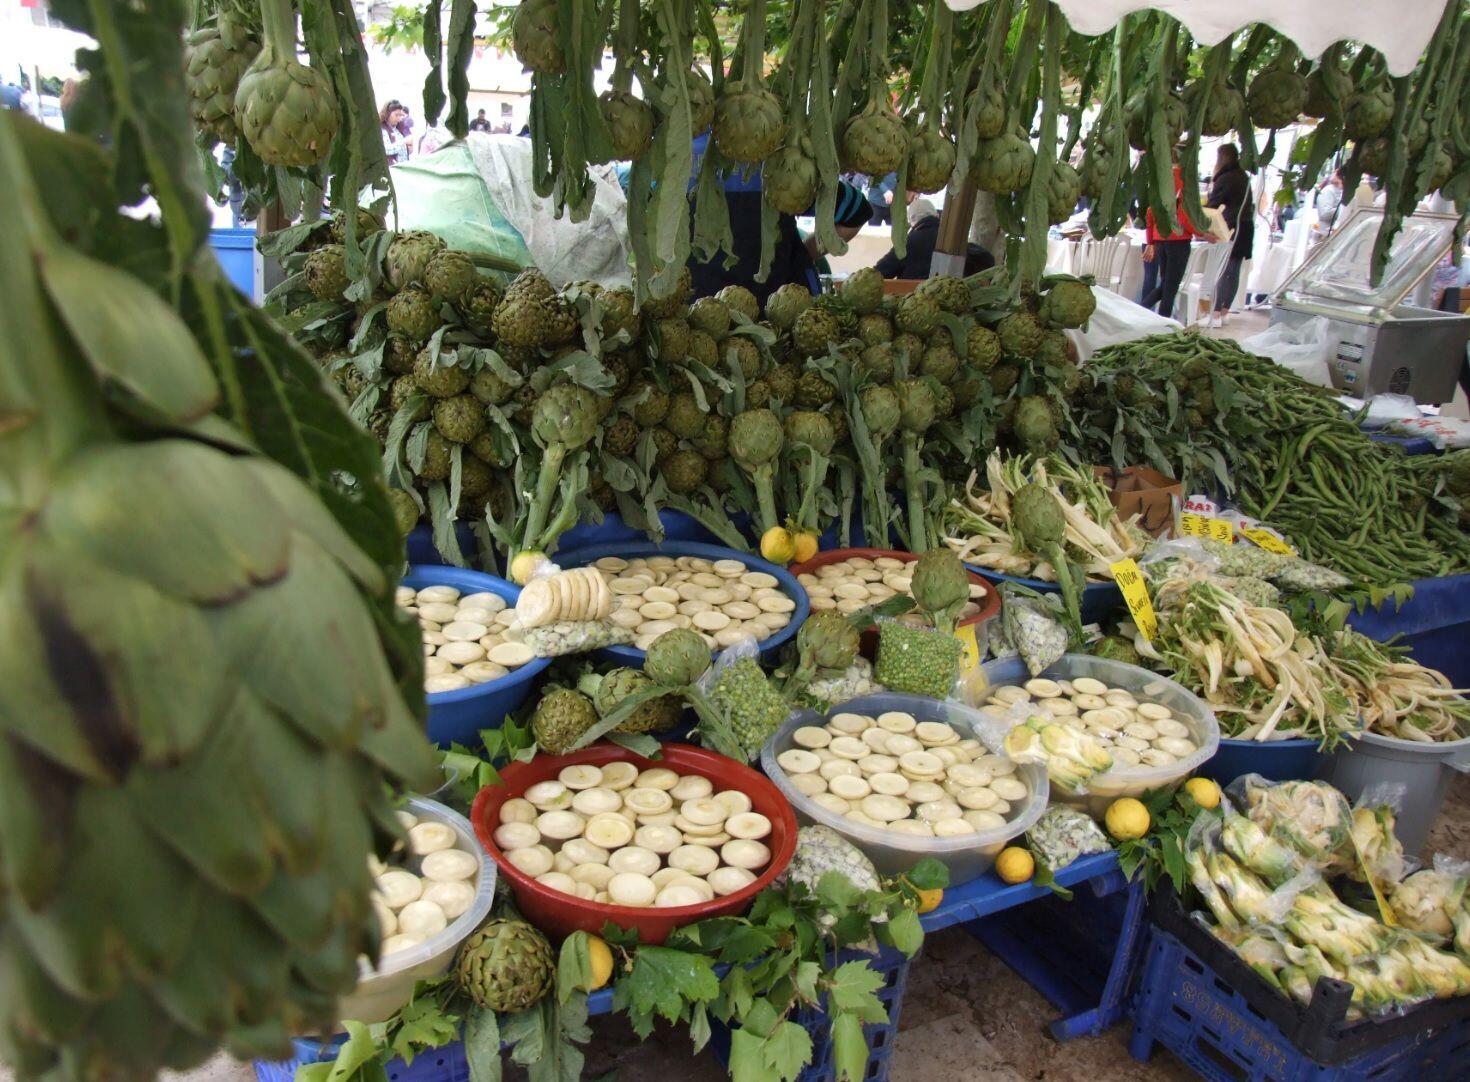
(475, 637)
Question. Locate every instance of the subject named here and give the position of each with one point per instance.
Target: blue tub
(630, 656)
(421, 550)
(1099, 599)
(1434, 624)
(458, 716)
(235, 250)
(677, 527)
(1274, 760)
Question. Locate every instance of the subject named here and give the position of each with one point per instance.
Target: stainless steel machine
(1384, 339)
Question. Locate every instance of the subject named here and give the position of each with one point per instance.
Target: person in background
(395, 142)
(795, 256)
(919, 247)
(11, 95)
(1230, 191)
(1171, 252)
(1328, 203)
(480, 123)
(880, 195)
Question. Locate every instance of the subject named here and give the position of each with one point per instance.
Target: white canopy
(1399, 29)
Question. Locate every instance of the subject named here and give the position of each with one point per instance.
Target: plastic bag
(1380, 853)
(917, 660)
(478, 196)
(1063, 834)
(1117, 319)
(1429, 901)
(1302, 348)
(1310, 816)
(573, 637)
(1384, 408)
(1034, 630)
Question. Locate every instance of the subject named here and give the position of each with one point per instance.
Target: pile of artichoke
(530, 408)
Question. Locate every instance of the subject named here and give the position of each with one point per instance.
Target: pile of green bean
(1296, 460)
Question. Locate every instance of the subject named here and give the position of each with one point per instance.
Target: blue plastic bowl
(677, 527)
(1099, 599)
(1274, 760)
(458, 716)
(633, 657)
(421, 550)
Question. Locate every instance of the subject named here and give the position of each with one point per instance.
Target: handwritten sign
(1269, 541)
(1135, 594)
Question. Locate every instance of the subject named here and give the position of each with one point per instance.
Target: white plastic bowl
(967, 856)
(1120, 781)
(383, 989)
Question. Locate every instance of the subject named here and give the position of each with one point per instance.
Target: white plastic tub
(1120, 781)
(383, 990)
(1423, 770)
(966, 856)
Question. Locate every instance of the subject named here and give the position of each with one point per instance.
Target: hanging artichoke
(989, 110)
(747, 125)
(1368, 113)
(199, 718)
(1003, 164)
(1222, 111)
(1328, 87)
(789, 178)
(536, 38)
(215, 57)
(931, 161)
(1063, 189)
(701, 100)
(875, 141)
(1135, 116)
(286, 110)
(1276, 96)
(629, 122)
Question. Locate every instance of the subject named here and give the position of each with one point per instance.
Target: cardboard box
(1145, 492)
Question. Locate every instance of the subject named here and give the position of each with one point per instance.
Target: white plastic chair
(1206, 261)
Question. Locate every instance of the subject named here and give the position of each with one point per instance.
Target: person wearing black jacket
(919, 251)
(1230, 192)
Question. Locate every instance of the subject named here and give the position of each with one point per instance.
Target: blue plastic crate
(879, 1035)
(1079, 953)
(1184, 1005)
(445, 1064)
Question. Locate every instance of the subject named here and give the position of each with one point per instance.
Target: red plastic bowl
(988, 609)
(558, 914)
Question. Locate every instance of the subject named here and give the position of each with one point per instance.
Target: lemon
(1127, 819)
(1204, 792)
(929, 899)
(777, 545)
(602, 962)
(806, 545)
(524, 566)
(1015, 865)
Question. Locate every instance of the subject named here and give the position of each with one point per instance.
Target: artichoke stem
(765, 496)
(546, 482)
(918, 527)
(278, 24)
(816, 472)
(1058, 557)
(875, 517)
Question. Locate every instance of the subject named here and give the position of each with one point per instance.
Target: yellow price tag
(1193, 525)
(1135, 593)
(972, 655)
(1265, 539)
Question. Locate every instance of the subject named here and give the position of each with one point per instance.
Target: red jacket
(1151, 232)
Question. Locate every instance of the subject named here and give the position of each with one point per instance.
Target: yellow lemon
(1015, 865)
(524, 566)
(777, 545)
(602, 962)
(805, 545)
(1127, 819)
(929, 899)
(1204, 792)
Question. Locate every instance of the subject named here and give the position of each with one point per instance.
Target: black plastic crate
(1319, 1029)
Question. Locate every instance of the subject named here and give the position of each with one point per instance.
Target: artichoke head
(789, 179)
(931, 161)
(285, 109)
(875, 141)
(940, 586)
(827, 640)
(565, 414)
(748, 125)
(755, 438)
(676, 658)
